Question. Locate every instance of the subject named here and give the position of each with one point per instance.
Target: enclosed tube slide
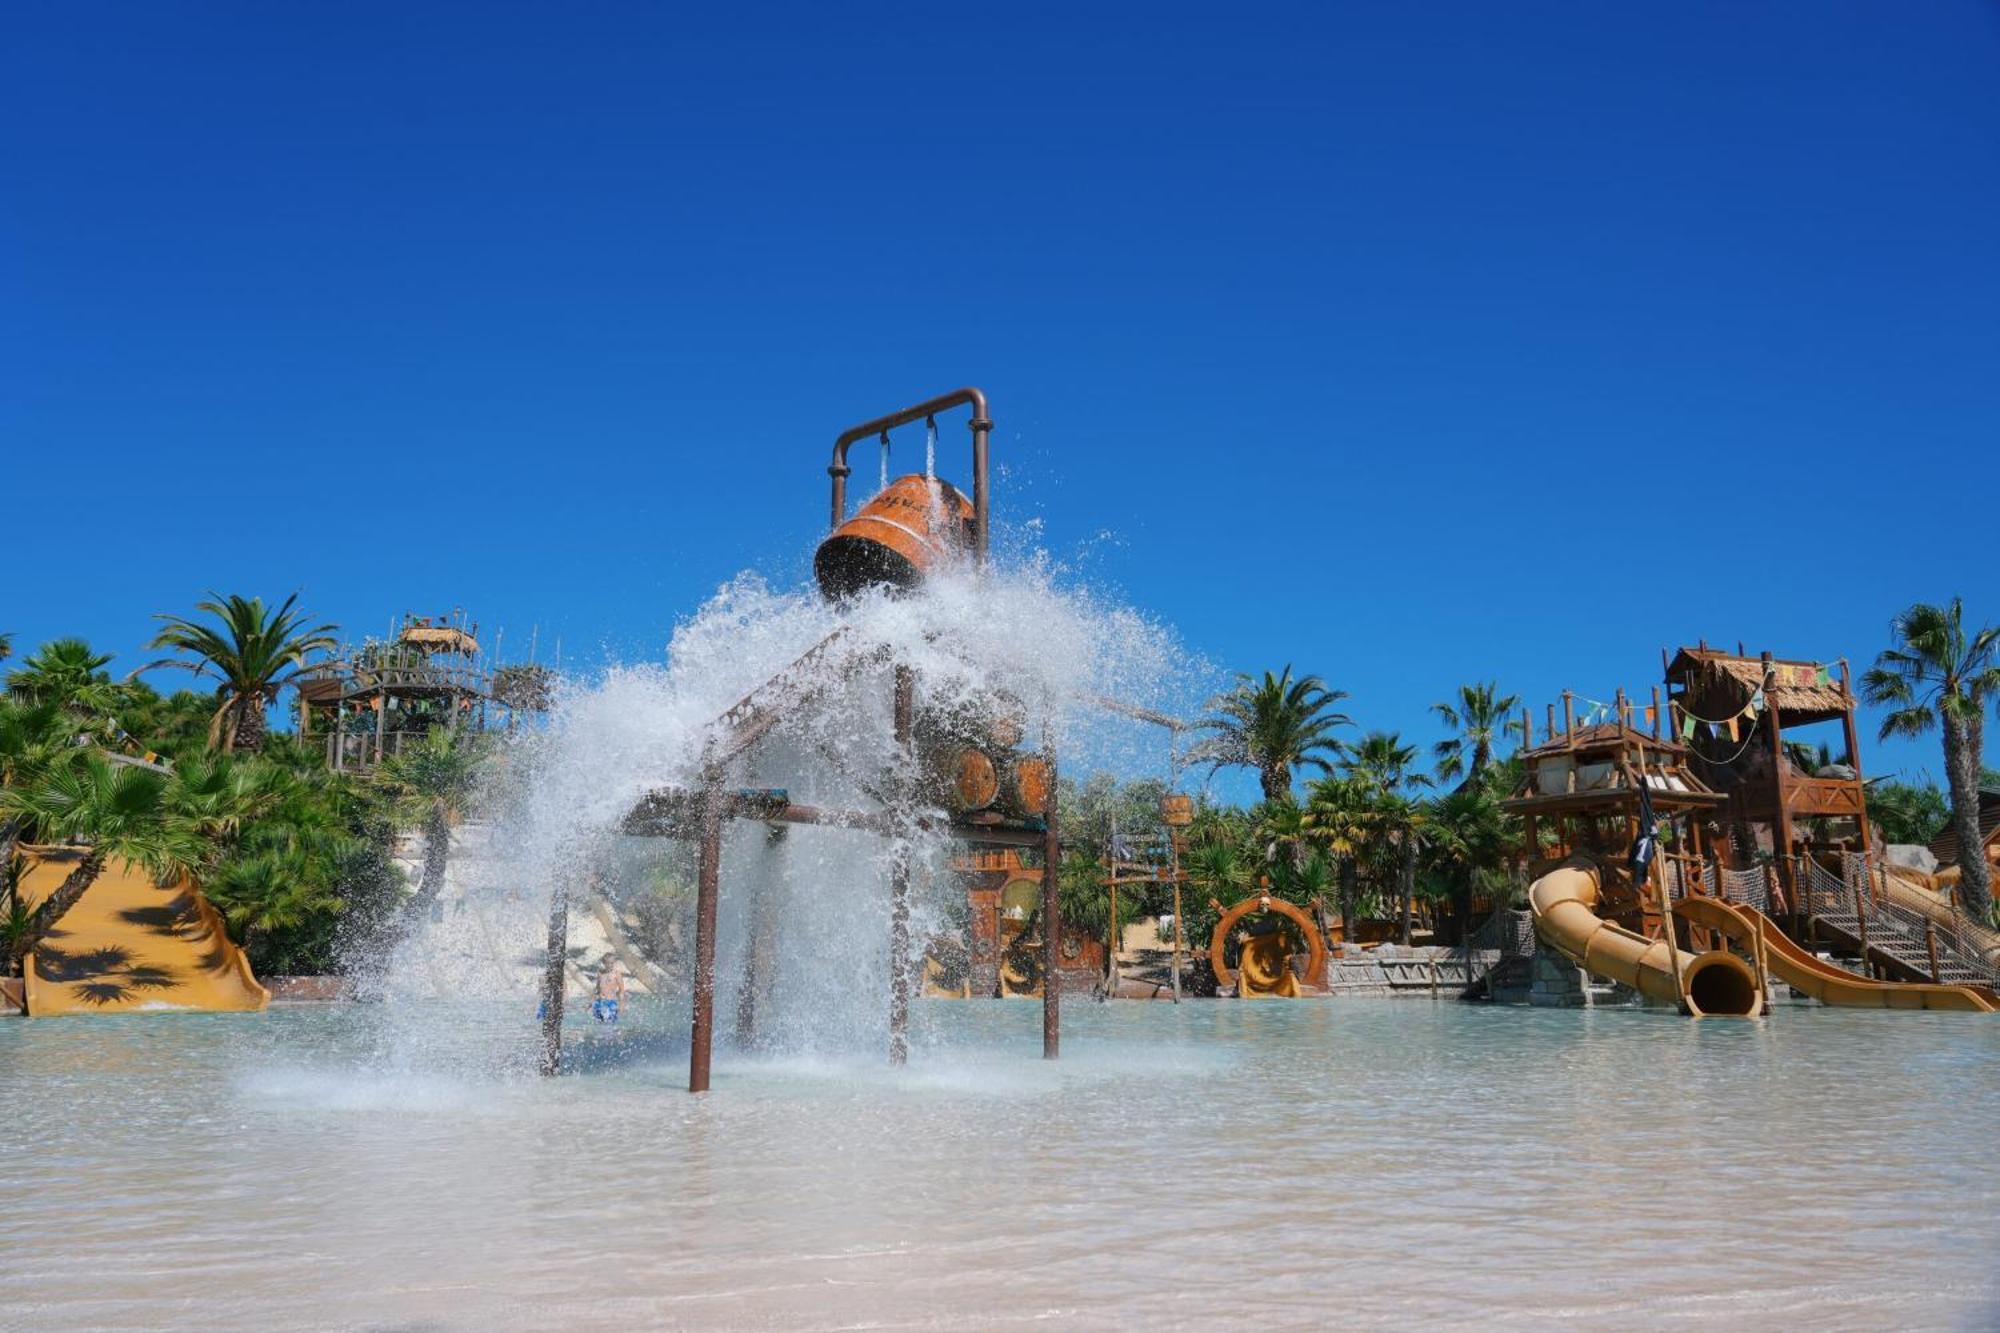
(1714, 984)
(1810, 975)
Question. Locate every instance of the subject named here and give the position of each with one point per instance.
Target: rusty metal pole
(899, 877)
(555, 964)
(708, 878)
(982, 432)
(982, 501)
(1051, 918)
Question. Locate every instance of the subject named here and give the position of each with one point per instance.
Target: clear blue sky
(1407, 343)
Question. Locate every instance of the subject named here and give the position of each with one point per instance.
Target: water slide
(1808, 974)
(1716, 983)
(130, 944)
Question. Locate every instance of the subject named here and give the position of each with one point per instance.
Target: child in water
(610, 991)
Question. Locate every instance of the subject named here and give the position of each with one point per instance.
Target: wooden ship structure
(1000, 955)
(1591, 789)
(1736, 711)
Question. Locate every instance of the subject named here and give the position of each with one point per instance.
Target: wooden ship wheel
(1264, 962)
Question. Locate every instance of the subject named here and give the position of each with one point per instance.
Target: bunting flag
(1687, 727)
(1649, 715)
(1822, 676)
(1733, 734)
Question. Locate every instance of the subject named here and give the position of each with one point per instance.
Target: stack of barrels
(974, 762)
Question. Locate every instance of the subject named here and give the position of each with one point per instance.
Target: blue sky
(1407, 343)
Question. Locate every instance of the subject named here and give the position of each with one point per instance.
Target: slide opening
(1721, 985)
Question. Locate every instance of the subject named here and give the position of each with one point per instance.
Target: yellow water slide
(131, 944)
(1716, 983)
(1803, 971)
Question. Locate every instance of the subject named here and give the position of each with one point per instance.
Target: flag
(1822, 676)
(1687, 727)
(1731, 724)
(1645, 845)
(1649, 715)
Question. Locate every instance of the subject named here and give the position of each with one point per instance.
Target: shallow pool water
(1289, 1163)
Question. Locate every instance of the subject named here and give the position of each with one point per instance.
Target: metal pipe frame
(982, 429)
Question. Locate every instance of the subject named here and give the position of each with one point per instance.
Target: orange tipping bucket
(895, 539)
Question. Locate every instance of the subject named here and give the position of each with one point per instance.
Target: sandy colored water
(1365, 1162)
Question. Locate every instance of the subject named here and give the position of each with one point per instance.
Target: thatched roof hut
(1719, 684)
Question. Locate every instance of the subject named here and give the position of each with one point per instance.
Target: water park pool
(394, 1165)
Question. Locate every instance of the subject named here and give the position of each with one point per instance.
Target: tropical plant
(69, 674)
(1907, 813)
(1467, 844)
(6, 646)
(123, 813)
(1478, 716)
(1274, 726)
(252, 651)
(1939, 673)
(1383, 762)
(524, 687)
(431, 783)
(1339, 817)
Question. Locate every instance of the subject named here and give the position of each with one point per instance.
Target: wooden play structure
(1634, 831)
(368, 702)
(1002, 956)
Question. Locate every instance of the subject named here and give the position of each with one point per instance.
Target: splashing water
(804, 909)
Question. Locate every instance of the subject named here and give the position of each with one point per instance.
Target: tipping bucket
(910, 527)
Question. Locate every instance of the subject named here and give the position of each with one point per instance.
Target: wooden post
(1782, 830)
(1861, 927)
(1657, 716)
(1854, 753)
(1527, 729)
(1569, 719)
(1180, 938)
(381, 723)
(1930, 947)
(1051, 917)
(1667, 930)
(708, 876)
(899, 877)
(1111, 931)
(339, 735)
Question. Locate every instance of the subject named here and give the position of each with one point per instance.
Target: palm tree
(121, 810)
(6, 646)
(1273, 725)
(1467, 843)
(1478, 715)
(432, 783)
(69, 674)
(254, 652)
(1340, 817)
(1939, 674)
(1382, 761)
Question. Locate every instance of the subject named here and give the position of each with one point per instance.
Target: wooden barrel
(1176, 809)
(895, 539)
(970, 781)
(1025, 788)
